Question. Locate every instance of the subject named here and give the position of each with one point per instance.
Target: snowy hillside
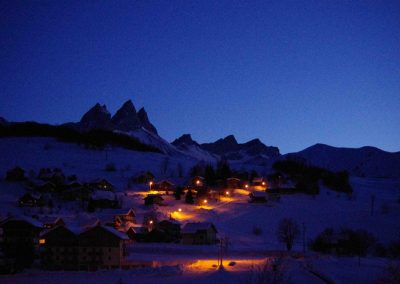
(365, 161)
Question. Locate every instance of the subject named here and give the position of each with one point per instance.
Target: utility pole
(372, 204)
(304, 237)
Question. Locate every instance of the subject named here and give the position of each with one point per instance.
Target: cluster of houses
(52, 183)
(89, 244)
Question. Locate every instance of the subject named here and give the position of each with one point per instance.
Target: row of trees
(221, 171)
(98, 139)
(307, 177)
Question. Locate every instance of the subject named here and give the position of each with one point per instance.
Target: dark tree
(189, 197)
(209, 175)
(178, 192)
(288, 232)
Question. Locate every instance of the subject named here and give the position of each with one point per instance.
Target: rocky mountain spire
(126, 118)
(184, 139)
(145, 122)
(98, 117)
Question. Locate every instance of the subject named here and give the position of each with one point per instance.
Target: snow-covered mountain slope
(365, 161)
(88, 164)
(189, 147)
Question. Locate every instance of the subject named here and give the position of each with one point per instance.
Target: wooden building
(201, 233)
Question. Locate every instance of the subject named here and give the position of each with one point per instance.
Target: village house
(59, 249)
(101, 184)
(31, 199)
(15, 174)
(117, 218)
(259, 182)
(138, 234)
(101, 247)
(171, 228)
(75, 190)
(153, 199)
(164, 185)
(93, 248)
(55, 176)
(20, 235)
(201, 233)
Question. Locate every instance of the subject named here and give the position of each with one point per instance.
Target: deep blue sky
(292, 73)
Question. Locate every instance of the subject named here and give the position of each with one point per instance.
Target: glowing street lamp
(150, 184)
(263, 183)
(180, 210)
(197, 182)
(246, 186)
(205, 201)
(151, 222)
(227, 192)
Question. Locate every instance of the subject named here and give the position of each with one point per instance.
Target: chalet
(165, 185)
(51, 222)
(59, 249)
(15, 174)
(124, 215)
(198, 181)
(258, 197)
(202, 233)
(101, 247)
(55, 176)
(138, 234)
(20, 235)
(31, 200)
(92, 248)
(171, 228)
(75, 190)
(233, 183)
(152, 199)
(101, 184)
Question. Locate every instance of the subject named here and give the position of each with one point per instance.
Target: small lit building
(200, 233)
(31, 199)
(101, 184)
(165, 185)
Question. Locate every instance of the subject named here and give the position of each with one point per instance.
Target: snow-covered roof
(258, 179)
(27, 219)
(116, 233)
(139, 230)
(192, 228)
(50, 219)
(119, 211)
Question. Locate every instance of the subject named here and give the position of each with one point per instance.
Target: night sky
(292, 73)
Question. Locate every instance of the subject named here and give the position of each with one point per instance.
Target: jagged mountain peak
(184, 139)
(145, 122)
(98, 117)
(125, 119)
(230, 139)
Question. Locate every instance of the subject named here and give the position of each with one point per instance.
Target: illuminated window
(42, 241)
